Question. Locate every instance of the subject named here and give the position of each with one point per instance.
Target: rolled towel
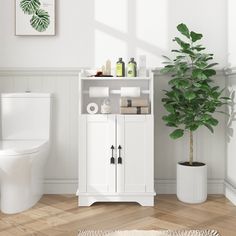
(134, 110)
(134, 102)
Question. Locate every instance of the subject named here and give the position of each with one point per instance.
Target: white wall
(231, 124)
(61, 171)
(89, 32)
(230, 141)
(231, 33)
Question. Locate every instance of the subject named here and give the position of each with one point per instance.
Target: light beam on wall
(108, 47)
(112, 13)
(231, 33)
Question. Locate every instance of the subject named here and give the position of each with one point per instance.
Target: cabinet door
(96, 139)
(135, 137)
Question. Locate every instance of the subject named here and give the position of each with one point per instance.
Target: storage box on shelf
(116, 152)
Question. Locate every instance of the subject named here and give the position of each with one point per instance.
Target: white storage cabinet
(116, 153)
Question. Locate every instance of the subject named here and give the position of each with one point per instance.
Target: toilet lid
(14, 147)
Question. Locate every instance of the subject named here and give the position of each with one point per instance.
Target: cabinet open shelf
(114, 84)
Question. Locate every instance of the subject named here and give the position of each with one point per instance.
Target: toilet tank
(25, 116)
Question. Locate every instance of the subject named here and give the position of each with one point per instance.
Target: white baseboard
(230, 192)
(163, 186)
(60, 186)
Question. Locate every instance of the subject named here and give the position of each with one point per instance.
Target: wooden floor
(59, 215)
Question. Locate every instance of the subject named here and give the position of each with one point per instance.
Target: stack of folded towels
(134, 105)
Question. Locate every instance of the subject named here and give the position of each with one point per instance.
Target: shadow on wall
(89, 32)
(231, 33)
(135, 27)
(230, 132)
(232, 115)
(130, 28)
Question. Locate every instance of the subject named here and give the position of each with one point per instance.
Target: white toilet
(24, 147)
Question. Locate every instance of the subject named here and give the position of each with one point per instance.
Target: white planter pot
(191, 183)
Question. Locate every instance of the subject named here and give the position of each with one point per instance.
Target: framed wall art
(35, 17)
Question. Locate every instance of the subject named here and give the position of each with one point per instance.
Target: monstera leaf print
(40, 20)
(29, 6)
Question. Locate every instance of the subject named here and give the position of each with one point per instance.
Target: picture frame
(35, 17)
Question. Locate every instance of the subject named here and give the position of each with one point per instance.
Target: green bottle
(132, 68)
(120, 68)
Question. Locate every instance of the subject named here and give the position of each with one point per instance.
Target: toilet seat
(16, 147)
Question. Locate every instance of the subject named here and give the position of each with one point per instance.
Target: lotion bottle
(132, 68)
(120, 68)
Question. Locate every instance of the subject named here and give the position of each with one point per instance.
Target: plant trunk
(191, 148)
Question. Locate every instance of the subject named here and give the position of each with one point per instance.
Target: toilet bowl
(24, 148)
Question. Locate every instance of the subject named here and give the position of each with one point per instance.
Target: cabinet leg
(85, 201)
(142, 200)
(146, 201)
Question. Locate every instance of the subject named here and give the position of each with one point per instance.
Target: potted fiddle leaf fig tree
(191, 103)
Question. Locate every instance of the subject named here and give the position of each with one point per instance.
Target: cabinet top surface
(115, 78)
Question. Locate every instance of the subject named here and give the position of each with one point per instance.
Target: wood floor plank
(59, 215)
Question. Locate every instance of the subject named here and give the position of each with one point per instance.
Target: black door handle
(119, 157)
(112, 160)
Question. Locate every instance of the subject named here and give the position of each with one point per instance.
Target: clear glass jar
(106, 106)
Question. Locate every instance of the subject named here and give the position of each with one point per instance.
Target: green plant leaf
(213, 121)
(198, 73)
(171, 124)
(209, 72)
(202, 76)
(174, 50)
(199, 48)
(193, 127)
(40, 20)
(195, 36)
(215, 88)
(167, 69)
(177, 133)
(181, 43)
(211, 65)
(188, 51)
(182, 84)
(183, 29)
(167, 62)
(206, 117)
(209, 58)
(198, 85)
(205, 87)
(167, 58)
(201, 64)
(209, 127)
(171, 118)
(225, 98)
(189, 95)
(169, 108)
(29, 6)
